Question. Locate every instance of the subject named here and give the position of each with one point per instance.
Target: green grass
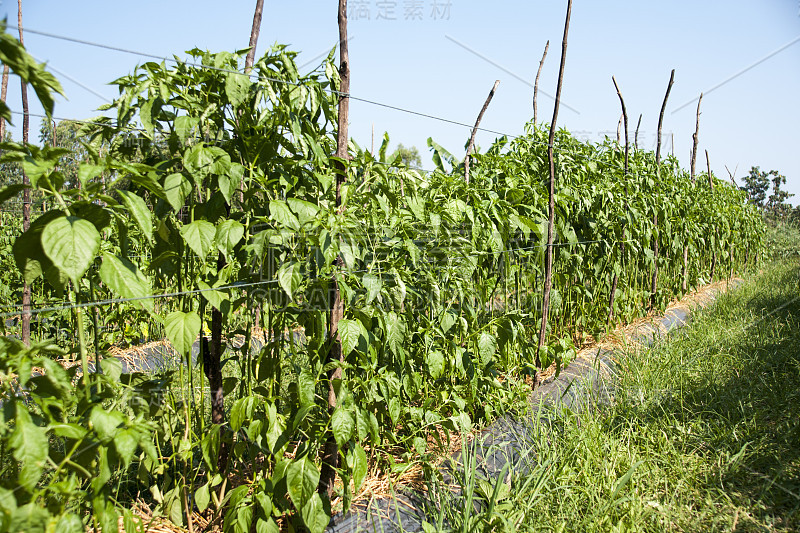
(704, 434)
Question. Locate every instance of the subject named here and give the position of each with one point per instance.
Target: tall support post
(548, 264)
(330, 451)
(654, 279)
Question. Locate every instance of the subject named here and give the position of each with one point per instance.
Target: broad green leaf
(182, 329)
(360, 466)
(216, 298)
(126, 280)
(306, 211)
(435, 361)
(289, 277)
(314, 515)
(306, 386)
(177, 188)
(126, 442)
(229, 183)
(280, 213)
(302, 478)
(209, 446)
(229, 233)
(202, 497)
(241, 411)
(199, 236)
(11, 191)
(202, 161)
(342, 424)
(487, 346)
(237, 87)
(105, 423)
(351, 331)
(31, 447)
(395, 332)
(373, 284)
(185, 126)
(71, 243)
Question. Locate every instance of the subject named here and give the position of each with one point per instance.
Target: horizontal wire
(102, 303)
(257, 76)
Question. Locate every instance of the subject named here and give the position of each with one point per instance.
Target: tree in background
(410, 156)
(758, 184)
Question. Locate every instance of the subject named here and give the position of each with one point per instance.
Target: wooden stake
(661, 122)
(26, 194)
(636, 136)
(732, 175)
(625, 119)
(536, 84)
(615, 280)
(251, 54)
(3, 93)
(471, 144)
(330, 452)
(548, 265)
(654, 279)
(696, 137)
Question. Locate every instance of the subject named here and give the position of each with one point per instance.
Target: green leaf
(487, 346)
(435, 361)
(199, 236)
(202, 161)
(126, 281)
(395, 332)
(105, 423)
(373, 284)
(621, 482)
(185, 126)
(306, 387)
(126, 442)
(229, 233)
(302, 478)
(314, 515)
(71, 243)
(139, 211)
(216, 298)
(280, 213)
(229, 183)
(360, 465)
(31, 447)
(11, 191)
(237, 88)
(202, 497)
(241, 411)
(182, 329)
(209, 446)
(289, 277)
(306, 211)
(177, 188)
(342, 424)
(351, 331)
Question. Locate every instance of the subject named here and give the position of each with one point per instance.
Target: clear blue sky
(751, 120)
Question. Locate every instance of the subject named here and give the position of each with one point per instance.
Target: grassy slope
(704, 435)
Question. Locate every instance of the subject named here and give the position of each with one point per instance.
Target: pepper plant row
(214, 181)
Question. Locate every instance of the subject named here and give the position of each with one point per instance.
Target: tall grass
(703, 435)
